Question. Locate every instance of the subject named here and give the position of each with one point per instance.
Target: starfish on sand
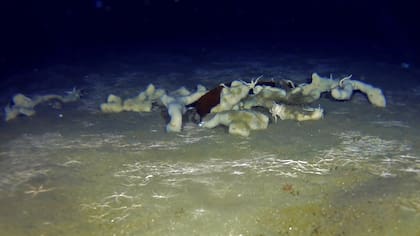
(34, 191)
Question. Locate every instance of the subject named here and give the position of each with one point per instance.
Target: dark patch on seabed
(72, 170)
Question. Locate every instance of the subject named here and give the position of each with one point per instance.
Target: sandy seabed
(75, 171)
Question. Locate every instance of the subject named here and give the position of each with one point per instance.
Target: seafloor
(71, 170)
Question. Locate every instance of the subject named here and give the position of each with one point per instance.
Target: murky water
(75, 171)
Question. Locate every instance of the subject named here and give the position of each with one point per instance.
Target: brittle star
(117, 196)
(36, 190)
(253, 83)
